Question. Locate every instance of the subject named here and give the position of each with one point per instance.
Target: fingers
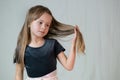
(76, 28)
(75, 31)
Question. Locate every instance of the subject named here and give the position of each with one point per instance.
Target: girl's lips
(41, 31)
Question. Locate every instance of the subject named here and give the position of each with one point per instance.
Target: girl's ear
(29, 26)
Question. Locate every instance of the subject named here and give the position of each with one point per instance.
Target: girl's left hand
(76, 29)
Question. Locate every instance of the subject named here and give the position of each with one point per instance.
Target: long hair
(57, 29)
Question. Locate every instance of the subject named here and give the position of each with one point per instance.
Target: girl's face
(40, 26)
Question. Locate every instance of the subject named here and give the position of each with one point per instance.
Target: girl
(37, 49)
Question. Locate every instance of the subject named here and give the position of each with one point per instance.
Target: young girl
(37, 50)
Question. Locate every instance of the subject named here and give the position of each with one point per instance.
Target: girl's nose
(43, 26)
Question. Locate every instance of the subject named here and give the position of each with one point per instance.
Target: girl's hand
(76, 29)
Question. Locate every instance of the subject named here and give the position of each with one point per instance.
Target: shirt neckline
(38, 46)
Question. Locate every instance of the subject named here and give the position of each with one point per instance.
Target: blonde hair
(57, 29)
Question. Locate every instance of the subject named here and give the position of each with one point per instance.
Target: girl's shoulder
(51, 39)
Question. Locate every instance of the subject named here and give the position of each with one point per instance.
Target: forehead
(45, 17)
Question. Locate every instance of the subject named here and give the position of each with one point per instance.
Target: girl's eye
(47, 25)
(40, 22)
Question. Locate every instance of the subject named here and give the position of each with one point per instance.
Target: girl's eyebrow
(44, 21)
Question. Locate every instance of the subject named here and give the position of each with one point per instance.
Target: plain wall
(98, 20)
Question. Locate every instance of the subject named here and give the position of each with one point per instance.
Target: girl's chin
(41, 36)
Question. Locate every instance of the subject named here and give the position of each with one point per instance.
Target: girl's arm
(68, 62)
(19, 72)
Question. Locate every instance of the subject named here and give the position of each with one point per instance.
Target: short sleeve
(58, 48)
(15, 59)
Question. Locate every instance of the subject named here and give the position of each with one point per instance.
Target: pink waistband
(50, 76)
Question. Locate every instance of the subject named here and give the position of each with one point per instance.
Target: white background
(99, 21)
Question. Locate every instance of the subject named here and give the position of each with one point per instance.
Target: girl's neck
(37, 42)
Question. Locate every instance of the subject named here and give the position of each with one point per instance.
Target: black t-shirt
(42, 60)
